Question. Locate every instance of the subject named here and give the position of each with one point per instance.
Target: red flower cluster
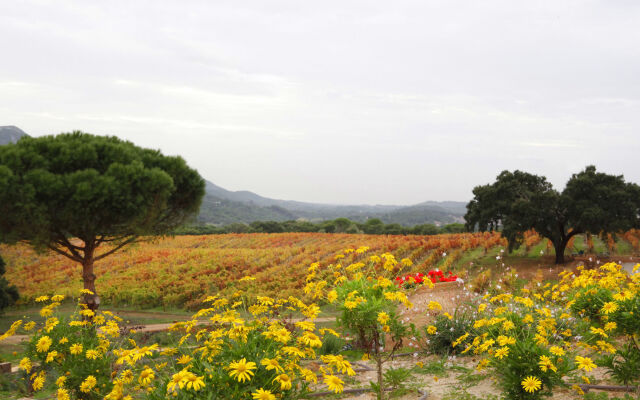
(418, 278)
(439, 276)
(406, 280)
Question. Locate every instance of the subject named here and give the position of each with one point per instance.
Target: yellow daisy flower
(242, 370)
(334, 383)
(530, 384)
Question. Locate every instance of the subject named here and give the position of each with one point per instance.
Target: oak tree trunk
(559, 247)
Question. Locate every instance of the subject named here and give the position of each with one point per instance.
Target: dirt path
(628, 266)
(163, 327)
(151, 328)
(448, 294)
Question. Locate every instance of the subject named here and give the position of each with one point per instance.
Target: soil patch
(448, 294)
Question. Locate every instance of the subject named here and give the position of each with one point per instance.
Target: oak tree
(592, 202)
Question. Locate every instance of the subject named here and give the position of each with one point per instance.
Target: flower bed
(435, 276)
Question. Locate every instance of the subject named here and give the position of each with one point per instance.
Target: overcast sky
(373, 102)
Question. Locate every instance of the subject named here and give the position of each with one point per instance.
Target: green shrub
(624, 364)
(608, 300)
(8, 293)
(589, 300)
(523, 340)
(332, 345)
(448, 330)
(396, 378)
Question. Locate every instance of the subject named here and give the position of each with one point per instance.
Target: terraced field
(179, 272)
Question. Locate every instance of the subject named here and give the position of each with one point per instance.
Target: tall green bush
(8, 293)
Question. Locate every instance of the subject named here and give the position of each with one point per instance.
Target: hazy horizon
(358, 102)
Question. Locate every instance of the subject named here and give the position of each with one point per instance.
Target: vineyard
(181, 271)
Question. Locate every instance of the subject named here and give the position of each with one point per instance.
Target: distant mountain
(309, 209)
(424, 214)
(10, 134)
(221, 211)
(222, 206)
(455, 207)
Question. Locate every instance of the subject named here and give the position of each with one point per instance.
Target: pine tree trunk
(89, 279)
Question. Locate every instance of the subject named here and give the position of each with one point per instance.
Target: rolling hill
(222, 207)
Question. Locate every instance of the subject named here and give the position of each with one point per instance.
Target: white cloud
(551, 144)
(341, 102)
